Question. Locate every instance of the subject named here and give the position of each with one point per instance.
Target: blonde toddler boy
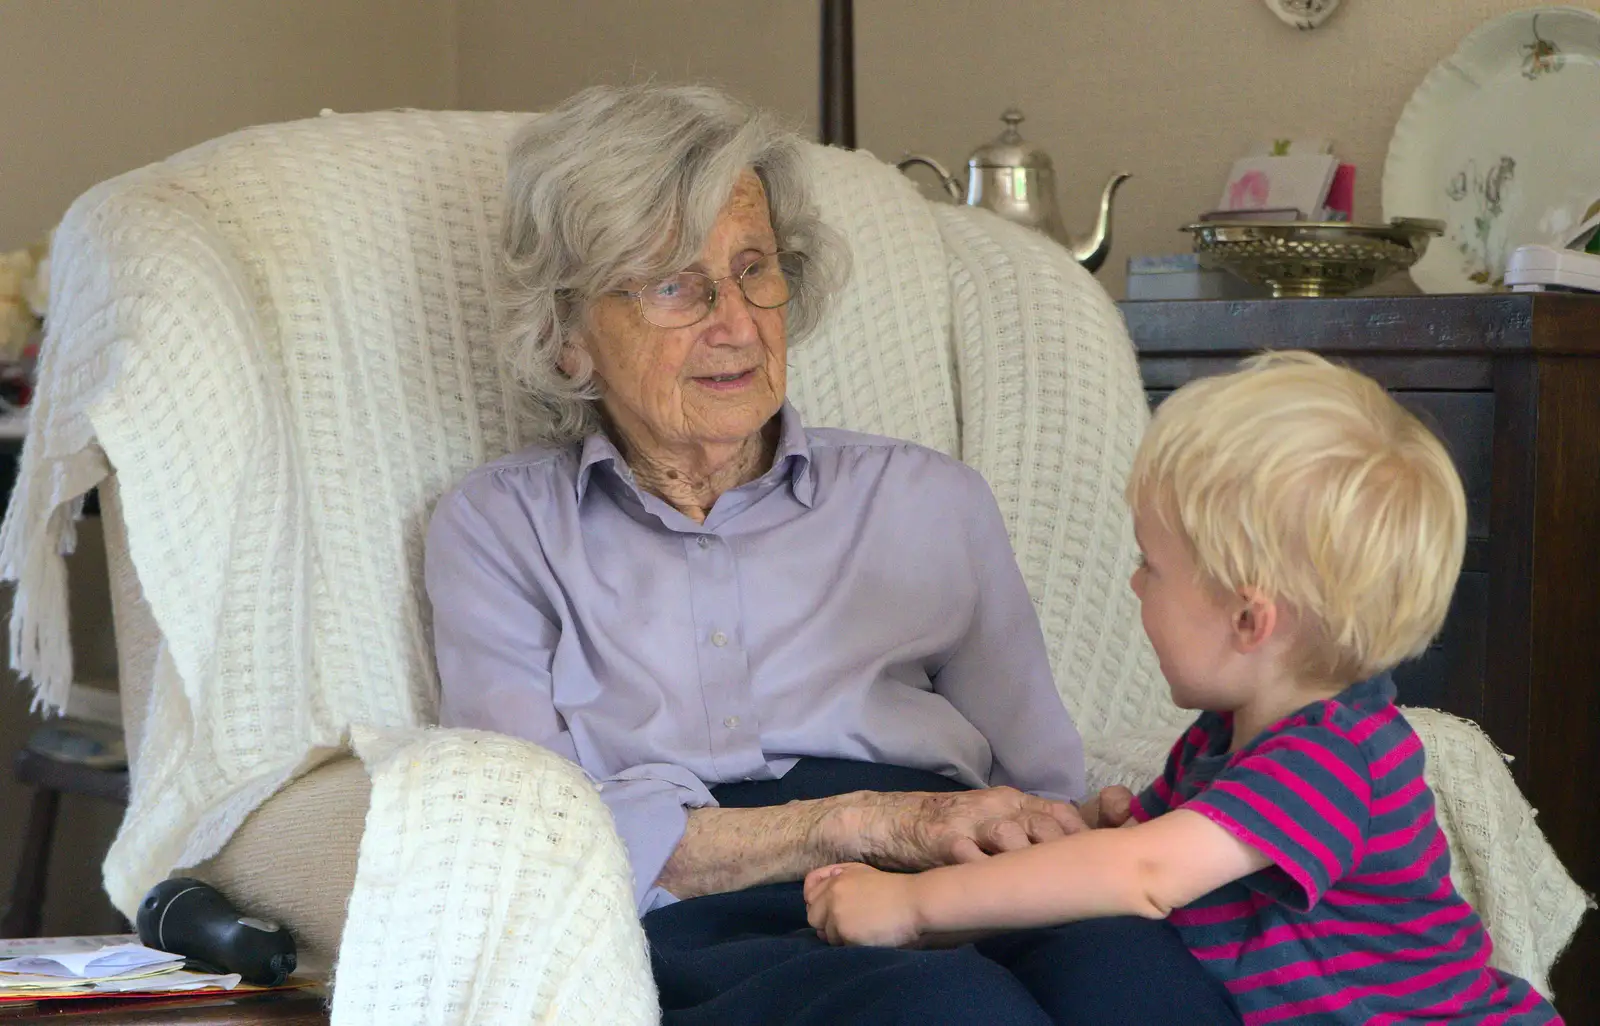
(1300, 534)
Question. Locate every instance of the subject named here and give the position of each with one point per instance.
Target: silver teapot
(1017, 181)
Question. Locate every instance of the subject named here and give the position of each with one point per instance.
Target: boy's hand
(1112, 807)
(853, 903)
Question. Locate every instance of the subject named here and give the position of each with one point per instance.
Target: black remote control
(187, 917)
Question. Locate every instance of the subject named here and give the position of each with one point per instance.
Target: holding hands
(1112, 807)
(854, 903)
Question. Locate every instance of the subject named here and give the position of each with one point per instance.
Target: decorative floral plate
(1501, 141)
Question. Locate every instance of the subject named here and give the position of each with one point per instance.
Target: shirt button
(703, 542)
(719, 639)
(731, 722)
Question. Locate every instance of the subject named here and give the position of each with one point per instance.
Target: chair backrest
(313, 297)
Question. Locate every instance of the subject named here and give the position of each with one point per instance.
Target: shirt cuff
(649, 805)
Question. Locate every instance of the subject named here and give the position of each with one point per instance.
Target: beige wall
(96, 87)
(530, 54)
(1169, 91)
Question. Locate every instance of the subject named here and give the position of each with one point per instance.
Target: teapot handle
(951, 184)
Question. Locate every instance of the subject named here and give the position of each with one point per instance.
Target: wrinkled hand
(920, 830)
(1112, 807)
(856, 904)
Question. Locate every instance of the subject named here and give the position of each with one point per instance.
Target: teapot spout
(1092, 252)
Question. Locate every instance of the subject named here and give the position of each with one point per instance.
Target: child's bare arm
(1145, 870)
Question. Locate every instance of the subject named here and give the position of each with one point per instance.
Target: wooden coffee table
(304, 1007)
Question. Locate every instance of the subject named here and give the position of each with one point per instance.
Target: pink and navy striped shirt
(1356, 920)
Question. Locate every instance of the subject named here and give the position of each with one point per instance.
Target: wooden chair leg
(26, 912)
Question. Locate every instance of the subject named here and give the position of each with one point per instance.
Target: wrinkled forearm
(731, 849)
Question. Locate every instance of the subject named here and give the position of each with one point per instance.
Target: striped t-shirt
(1356, 920)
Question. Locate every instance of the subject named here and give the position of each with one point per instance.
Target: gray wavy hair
(623, 184)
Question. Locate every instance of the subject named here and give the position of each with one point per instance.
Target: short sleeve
(1159, 798)
(1302, 798)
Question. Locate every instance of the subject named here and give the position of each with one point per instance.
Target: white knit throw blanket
(278, 341)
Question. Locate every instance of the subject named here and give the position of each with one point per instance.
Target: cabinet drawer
(1464, 421)
(1450, 674)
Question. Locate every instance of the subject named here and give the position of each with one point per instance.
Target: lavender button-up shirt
(860, 600)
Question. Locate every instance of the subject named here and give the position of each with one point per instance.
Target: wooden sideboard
(1511, 382)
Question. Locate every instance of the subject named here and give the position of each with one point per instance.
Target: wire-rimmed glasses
(688, 297)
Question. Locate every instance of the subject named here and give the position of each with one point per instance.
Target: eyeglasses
(688, 297)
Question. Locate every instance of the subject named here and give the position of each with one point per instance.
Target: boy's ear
(1255, 620)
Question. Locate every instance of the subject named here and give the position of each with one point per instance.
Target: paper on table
(176, 982)
(180, 979)
(16, 947)
(27, 981)
(138, 975)
(13, 986)
(113, 961)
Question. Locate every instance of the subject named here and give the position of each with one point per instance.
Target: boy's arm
(1145, 870)
(1300, 802)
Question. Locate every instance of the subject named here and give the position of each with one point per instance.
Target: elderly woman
(771, 646)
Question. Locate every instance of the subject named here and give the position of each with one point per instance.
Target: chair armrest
(1500, 860)
(1052, 412)
(491, 886)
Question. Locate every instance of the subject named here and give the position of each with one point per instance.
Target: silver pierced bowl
(1313, 258)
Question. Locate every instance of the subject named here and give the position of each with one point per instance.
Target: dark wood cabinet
(1511, 383)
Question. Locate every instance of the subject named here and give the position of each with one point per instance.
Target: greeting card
(1301, 182)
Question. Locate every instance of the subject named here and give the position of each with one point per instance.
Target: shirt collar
(1368, 695)
(598, 449)
(792, 458)
(1364, 696)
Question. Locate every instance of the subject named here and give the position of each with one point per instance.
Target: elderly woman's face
(715, 382)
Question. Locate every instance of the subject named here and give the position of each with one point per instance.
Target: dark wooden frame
(50, 779)
(837, 123)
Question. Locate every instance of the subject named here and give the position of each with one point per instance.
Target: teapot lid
(1009, 149)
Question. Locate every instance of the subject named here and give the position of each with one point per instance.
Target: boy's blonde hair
(1309, 482)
